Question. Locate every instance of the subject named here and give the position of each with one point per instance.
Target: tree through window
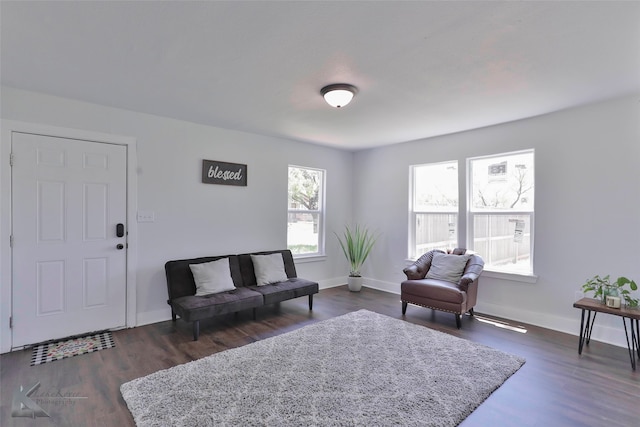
(499, 215)
(501, 210)
(305, 224)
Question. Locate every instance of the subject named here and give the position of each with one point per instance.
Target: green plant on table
(603, 286)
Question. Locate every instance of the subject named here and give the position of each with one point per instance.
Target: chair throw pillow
(212, 277)
(269, 268)
(447, 267)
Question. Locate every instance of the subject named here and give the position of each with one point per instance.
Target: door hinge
(11, 241)
(10, 322)
(11, 159)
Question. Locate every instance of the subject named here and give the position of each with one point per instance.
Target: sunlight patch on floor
(501, 324)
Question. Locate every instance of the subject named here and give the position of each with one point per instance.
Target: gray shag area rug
(360, 369)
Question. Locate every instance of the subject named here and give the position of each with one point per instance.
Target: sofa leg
(173, 315)
(310, 302)
(471, 311)
(458, 321)
(196, 330)
(404, 308)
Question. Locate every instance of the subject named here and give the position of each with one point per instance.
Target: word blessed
(224, 175)
(214, 172)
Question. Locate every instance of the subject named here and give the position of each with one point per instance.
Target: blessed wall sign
(223, 173)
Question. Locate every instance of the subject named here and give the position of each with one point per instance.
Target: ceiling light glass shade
(338, 95)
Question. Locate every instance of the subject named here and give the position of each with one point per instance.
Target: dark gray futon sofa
(247, 295)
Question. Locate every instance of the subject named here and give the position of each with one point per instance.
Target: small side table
(594, 306)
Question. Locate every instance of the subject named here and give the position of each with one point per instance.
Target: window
(434, 207)
(500, 221)
(305, 224)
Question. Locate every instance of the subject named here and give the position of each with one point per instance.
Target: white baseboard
(367, 282)
(332, 283)
(569, 325)
(393, 288)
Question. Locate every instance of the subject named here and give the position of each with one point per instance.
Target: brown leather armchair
(451, 286)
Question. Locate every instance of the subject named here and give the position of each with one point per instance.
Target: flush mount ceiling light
(338, 95)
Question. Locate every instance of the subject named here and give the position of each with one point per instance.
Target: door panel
(68, 275)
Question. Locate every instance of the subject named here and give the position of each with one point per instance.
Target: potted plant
(356, 245)
(603, 286)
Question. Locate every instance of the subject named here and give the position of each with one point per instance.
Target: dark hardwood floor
(555, 387)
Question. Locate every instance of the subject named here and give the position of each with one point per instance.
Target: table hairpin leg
(637, 337)
(633, 344)
(585, 329)
(632, 332)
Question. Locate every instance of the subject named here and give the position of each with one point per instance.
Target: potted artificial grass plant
(356, 244)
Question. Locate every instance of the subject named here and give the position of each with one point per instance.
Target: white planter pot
(354, 283)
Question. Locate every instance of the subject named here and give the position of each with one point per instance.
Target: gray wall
(191, 218)
(587, 200)
(587, 218)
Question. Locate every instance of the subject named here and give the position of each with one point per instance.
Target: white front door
(69, 262)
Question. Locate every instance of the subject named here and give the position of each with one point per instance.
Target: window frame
(466, 216)
(413, 212)
(320, 212)
(528, 276)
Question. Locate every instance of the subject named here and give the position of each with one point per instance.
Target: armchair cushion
(449, 268)
(438, 291)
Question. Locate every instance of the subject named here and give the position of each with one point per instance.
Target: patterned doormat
(62, 349)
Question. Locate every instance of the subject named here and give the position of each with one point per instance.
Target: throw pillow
(269, 268)
(212, 277)
(447, 267)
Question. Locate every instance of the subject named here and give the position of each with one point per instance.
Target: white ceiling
(422, 68)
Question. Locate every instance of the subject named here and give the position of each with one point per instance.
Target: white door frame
(6, 261)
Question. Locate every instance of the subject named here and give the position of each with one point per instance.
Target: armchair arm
(471, 272)
(412, 272)
(418, 270)
(466, 280)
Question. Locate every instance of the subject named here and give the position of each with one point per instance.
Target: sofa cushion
(212, 277)
(447, 267)
(268, 268)
(288, 289)
(191, 308)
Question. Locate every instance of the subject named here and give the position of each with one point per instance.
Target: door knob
(120, 246)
